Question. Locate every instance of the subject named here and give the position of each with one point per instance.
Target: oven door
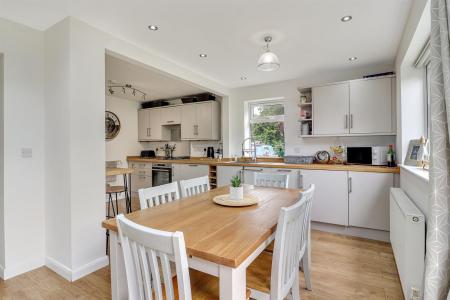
(161, 176)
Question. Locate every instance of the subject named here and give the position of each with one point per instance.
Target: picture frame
(416, 153)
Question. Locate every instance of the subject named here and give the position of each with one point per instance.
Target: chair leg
(108, 216)
(107, 241)
(307, 269)
(117, 205)
(295, 290)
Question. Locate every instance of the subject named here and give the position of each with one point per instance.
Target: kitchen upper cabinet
(371, 106)
(330, 203)
(185, 171)
(369, 199)
(171, 115)
(224, 174)
(356, 107)
(330, 109)
(150, 127)
(200, 121)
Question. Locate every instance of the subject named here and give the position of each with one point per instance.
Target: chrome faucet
(252, 150)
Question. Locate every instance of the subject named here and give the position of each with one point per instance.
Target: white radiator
(408, 242)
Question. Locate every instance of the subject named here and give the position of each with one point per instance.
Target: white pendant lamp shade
(268, 61)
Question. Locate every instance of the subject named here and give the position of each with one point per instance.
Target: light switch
(27, 152)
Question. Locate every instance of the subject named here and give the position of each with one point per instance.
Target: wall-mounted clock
(112, 125)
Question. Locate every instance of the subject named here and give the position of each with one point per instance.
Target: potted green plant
(236, 189)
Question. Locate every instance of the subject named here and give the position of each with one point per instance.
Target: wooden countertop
(266, 163)
(224, 235)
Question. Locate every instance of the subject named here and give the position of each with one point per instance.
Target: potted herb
(236, 189)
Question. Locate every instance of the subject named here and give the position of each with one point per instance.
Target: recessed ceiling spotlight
(353, 58)
(346, 18)
(203, 55)
(243, 78)
(153, 27)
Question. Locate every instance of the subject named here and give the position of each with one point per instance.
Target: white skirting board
(370, 234)
(8, 273)
(72, 275)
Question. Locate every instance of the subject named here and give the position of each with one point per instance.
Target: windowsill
(418, 172)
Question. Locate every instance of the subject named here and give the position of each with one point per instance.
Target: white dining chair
(194, 186)
(157, 195)
(147, 254)
(291, 246)
(271, 180)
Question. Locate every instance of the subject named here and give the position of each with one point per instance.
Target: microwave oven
(376, 155)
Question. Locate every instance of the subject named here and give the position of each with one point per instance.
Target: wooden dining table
(221, 241)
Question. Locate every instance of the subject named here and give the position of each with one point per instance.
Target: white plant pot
(237, 193)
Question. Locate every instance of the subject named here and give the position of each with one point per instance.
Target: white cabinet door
(183, 171)
(189, 128)
(143, 125)
(171, 115)
(369, 199)
(330, 202)
(249, 174)
(371, 106)
(156, 131)
(204, 120)
(331, 109)
(225, 173)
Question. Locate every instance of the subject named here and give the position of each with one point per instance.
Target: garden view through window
(267, 128)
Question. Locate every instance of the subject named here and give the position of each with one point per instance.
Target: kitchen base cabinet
(185, 171)
(225, 173)
(330, 203)
(141, 178)
(369, 199)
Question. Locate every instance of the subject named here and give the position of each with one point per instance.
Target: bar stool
(110, 190)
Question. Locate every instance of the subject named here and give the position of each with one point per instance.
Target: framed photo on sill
(416, 153)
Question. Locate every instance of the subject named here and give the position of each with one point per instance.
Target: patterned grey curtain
(437, 270)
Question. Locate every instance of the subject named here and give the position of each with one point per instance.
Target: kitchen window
(266, 121)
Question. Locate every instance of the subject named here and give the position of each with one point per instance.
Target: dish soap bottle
(390, 157)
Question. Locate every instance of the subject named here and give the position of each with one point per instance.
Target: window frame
(251, 119)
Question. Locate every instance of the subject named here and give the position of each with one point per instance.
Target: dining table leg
(232, 283)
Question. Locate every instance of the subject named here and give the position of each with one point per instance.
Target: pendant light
(268, 61)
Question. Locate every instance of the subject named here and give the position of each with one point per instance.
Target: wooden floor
(342, 268)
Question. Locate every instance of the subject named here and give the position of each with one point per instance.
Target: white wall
(22, 117)
(287, 90)
(126, 142)
(83, 72)
(2, 164)
(410, 90)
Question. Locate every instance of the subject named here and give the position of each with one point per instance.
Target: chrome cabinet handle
(254, 170)
(193, 165)
(350, 185)
(281, 170)
(351, 120)
(170, 121)
(346, 121)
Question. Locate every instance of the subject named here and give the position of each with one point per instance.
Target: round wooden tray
(226, 201)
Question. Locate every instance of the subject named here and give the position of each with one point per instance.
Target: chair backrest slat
(158, 195)
(194, 186)
(271, 180)
(146, 254)
(290, 243)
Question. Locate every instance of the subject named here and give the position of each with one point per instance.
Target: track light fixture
(124, 88)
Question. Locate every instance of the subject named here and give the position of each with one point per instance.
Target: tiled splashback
(183, 148)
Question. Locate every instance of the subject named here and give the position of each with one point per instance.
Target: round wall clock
(112, 125)
(322, 157)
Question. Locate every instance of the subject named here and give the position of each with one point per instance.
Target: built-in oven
(161, 174)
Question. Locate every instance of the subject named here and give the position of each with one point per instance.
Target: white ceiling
(155, 84)
(308, 34)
